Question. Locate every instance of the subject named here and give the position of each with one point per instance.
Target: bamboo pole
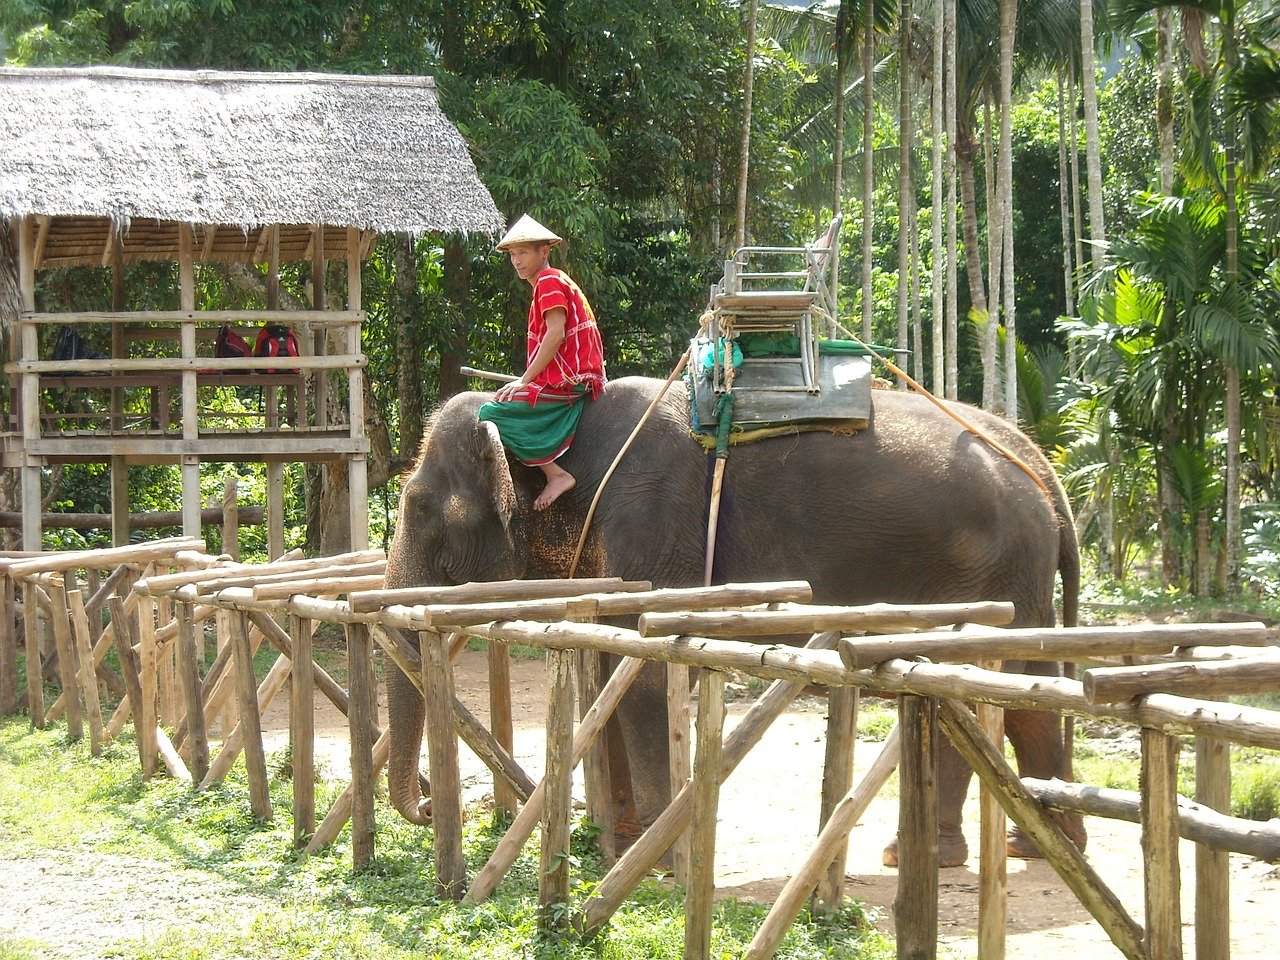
(834, 834)
(700, 895)
(553, 871)
(264, 577)
(680, 759)
(102, 557)
(814, 619)
(961, 727)
(993, 870)
(1213, 867)
(1159, 812)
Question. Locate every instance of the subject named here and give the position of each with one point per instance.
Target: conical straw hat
(527, 230)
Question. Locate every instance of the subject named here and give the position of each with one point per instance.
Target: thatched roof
(147, 149)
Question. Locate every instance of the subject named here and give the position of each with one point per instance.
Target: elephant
(912, 509)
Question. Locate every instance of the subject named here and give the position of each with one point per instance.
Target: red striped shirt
(580, 358)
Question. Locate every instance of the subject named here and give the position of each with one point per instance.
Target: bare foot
(560, 483)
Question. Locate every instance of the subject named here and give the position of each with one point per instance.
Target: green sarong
(537, 433)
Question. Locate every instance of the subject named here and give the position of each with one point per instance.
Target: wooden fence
(160, 597)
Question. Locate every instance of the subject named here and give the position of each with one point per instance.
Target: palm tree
(1093, 161)
(744, 161)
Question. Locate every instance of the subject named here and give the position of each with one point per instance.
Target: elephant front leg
(953, 776)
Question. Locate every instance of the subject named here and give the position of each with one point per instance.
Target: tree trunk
(454, 345)
(906, 225)
(868, 166)
(995, 263)
(842, 73)
(1064, 211)
(409, 403)
(937, 278)
(966, 148)
(1008, 28)
(1093, 160)
(744, 161)
(1231, 59)
(950, 98)
(1077, 218)
(917, 314)
(1164, 96)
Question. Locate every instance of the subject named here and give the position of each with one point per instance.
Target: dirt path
(768, 819)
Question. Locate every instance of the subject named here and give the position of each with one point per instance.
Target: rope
(985, 437)
(595, 501)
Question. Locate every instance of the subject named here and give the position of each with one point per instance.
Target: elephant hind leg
(953, 776)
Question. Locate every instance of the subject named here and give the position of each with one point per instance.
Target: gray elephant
(912, 509)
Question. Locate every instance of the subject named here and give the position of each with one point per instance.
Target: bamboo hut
(109, 167)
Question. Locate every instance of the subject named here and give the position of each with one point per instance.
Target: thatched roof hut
(94, 150)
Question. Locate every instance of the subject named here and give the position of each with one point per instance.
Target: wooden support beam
(123, 640)
(66, 657)
(1259, 674)
(368, 601)
(362, 693)
(86, 675)
(31, 640)
(42, 239)
(144, 711)
(8, 648)
(961, 727)
(234, 741)
(700, 895)
(814, 619)
(446, 785)
(302, 731)
(1161, 874)
(250, 719)
(915, 909)
(553, 869)
(1213, 867)
(993, 869)
(188, 653)
(680, 756)
(501, 724)
(837, 779)
(206, 248)
(103, 558)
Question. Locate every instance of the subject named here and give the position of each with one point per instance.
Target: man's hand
(509, 391)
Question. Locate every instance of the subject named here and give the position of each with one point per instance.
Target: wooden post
(553, 875)
(250, 720)
(32, 534)
(500, 721)
(31, 640)
(230, 519)
(188, 655)
(118, 348)
(320, 388)
(226, 711)
(145, 720)
(680, 759)
(66, 657)
(234, 742)
(119, 497)
(167, 664)
(837, 778)
(302, 731)
(93, 583)
(122, 636)
(700, 894)
(88, 677)
(8, 648)
(357, 466)
(442, 751)
(595, 764)
(1159, 811)
(190, 407)
(275, 509)
(360, 716)
(915, 909)
(1213, 867)
(993, 881)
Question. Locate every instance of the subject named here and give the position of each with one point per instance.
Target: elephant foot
(625, 836)
(953, 850)
(1020, 846)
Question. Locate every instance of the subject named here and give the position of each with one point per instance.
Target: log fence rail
(153, 604)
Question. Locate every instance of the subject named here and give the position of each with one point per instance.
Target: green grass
(56, 800)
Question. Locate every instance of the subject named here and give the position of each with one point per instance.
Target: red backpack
(276, 340)
(230, 344)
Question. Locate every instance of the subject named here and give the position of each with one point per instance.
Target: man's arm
(555, 318)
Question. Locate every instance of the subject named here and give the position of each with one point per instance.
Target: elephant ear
(493, 458)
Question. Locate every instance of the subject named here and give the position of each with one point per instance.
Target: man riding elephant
(912, 509)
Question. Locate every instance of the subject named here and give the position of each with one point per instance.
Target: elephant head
(457, 523)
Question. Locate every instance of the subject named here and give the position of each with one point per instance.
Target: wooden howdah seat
(762, 339)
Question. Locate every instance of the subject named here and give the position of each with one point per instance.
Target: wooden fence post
(87, 676)
(915, 909)
(680, 761)
(145, 720)
(1159, 812)
(993, 874)
(360, 716)
(231, 521)
(31, 639)
(1213, 867)
(302, 731)
(700, 893)
(837, 778)
(553, 875)
(8, 648)
(501, 726)
(442, 751)
(250, 720)
(188, 655)
(66, 657)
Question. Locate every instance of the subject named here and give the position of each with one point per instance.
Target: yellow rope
(986, 438)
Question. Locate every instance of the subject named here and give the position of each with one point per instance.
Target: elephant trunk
(404, 717)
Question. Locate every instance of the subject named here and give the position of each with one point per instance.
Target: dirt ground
(764, 831)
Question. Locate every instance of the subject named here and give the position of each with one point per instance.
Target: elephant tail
(1069, 570)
